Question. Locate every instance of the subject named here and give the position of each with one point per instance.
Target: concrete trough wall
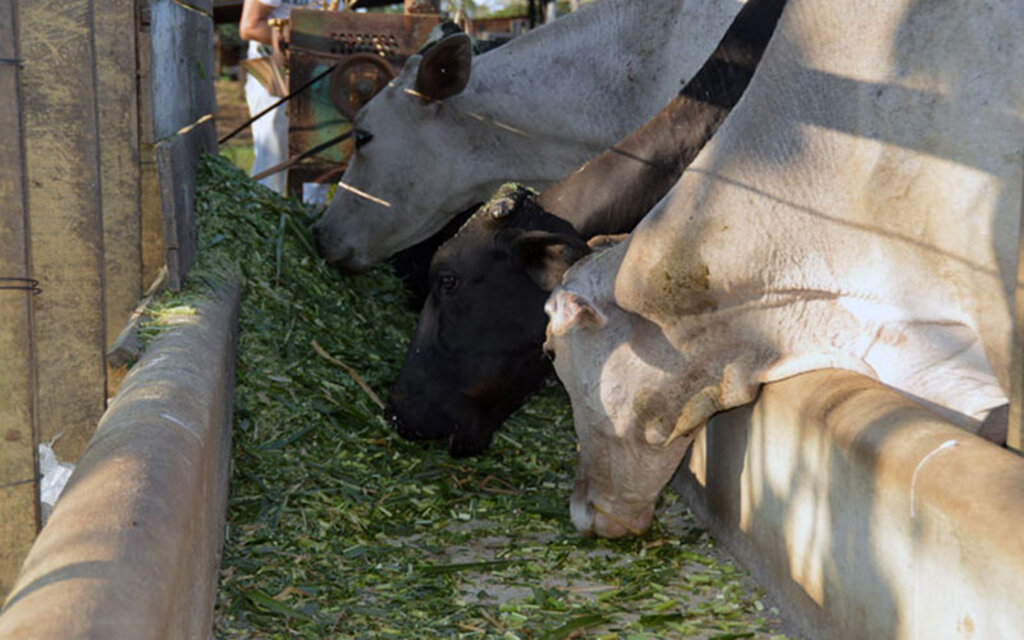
(132, 548)
(864, 514)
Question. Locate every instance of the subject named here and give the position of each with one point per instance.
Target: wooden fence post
(151, 217)
(59, 112)
(119, 147)
(19, 486)
(176, 106)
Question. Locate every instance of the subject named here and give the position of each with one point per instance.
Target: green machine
(347, 56)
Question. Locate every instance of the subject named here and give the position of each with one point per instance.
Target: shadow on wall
(863, 512)
(828, 542)
(809, 545)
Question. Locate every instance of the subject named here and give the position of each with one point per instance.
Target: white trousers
(270, 143)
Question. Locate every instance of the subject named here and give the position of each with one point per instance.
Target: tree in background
(468, 7)
(510, 8)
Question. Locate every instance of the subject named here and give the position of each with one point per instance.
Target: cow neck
(612, 192)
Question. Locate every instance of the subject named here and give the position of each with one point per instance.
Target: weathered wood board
(176, 97)
(177, 161)
(180, 84)
(18, 483)
(151, 216)
(114, 37)
(62, 168)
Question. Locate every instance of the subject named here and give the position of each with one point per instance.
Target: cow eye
(449, 283)
(361, 137)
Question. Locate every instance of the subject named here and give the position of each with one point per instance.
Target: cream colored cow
(860, 209)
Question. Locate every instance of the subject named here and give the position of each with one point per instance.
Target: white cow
(860, 209)
(532, 112)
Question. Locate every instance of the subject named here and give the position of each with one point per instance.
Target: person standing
(270, 132)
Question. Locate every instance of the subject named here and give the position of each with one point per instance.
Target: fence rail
(18, 515)
(105, 108)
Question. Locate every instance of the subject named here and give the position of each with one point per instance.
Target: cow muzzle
(597, 518)
(429, 425)
(339, 255)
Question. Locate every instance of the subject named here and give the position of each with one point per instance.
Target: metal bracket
(21, 284)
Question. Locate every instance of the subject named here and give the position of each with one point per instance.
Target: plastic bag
(55, 476)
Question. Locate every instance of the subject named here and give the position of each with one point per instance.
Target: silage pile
(337, 528)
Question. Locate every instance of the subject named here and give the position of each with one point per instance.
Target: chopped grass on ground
(337, 528)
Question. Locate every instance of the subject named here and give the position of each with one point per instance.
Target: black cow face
(477, 351)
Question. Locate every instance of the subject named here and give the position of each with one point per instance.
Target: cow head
(638, 399)
(402, 182)
(476, 353)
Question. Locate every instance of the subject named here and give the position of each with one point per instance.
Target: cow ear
(444, 69)
(566, 309)
(547, 256)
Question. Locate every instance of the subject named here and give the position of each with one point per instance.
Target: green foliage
(337, 528)
(512, 9)
(520, 8)
(240, 155)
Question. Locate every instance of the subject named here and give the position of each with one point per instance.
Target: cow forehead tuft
(502, 207)
(504, 202)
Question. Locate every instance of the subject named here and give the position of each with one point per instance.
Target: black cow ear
(547, 256)
(444, 69)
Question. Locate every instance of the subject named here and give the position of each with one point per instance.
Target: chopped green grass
(338, 528)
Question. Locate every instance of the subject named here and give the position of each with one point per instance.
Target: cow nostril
(347, 263)
(549, 350)
(338, 256)
(401, 428)
(410, 430)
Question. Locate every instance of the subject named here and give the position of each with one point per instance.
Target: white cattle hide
(533, 111)
(860, 209)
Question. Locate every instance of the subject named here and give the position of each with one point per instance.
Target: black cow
(477, 351)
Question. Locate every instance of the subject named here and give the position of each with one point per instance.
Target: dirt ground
(231, 112)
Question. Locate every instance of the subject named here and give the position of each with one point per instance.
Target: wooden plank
(181, 84)
(114, 39)
(151, 215)
(176, 98)
(66, 247)
(19, 487)
(177, 161)
(144, 58)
